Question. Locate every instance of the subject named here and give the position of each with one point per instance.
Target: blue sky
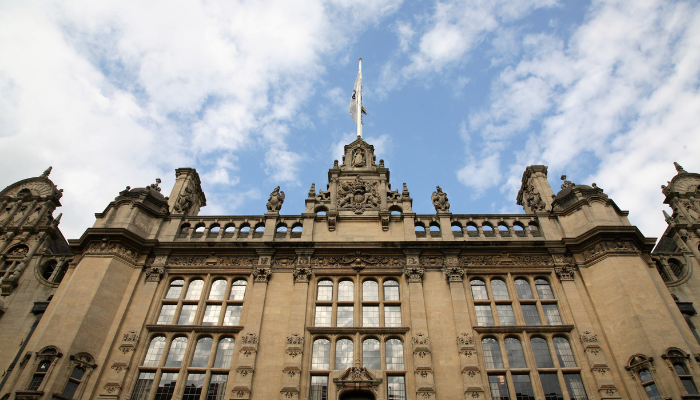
(255, 94)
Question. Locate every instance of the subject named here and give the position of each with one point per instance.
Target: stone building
(361, 298)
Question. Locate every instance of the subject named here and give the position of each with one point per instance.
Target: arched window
(175, 289)
(48, 269)
(522, 286)
(238, 290)
(218, 288)
(472, 230)
(394, 355)
(685, 377)
(155, 352)
(325, 290)
(564, 353)
(534, 229)
(487, 229)
(224, 353)
(371, 357)
(676, 267)
(543, 358)
(519, 229)
(391, 290)
(370, 291)
(649, 386)
(321, 354)
(420, 230)
(41, 370)
(499, 289)
(544, 290)
(73, 382)
(214, 230)
(243, 231)
(343, 354)
(184, 229)
(492, 353)
(177, 352)
(346, 291)
(457, 230)
(259, 231)
(551, 314)
(297, 229)
(479, 289)
(229, 231)
(202, 352)
(514, 352)
(194, 290)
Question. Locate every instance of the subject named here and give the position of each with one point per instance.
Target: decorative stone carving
(120, 366)
(111, 387)
(588, 337)
(533, 199)
(566, 184)
(440, 200)
(505, 259)
(236, 261)
(421, 339)
(414, 274)
(465, 339)
(185, 200)
(113, 249)
(357, 377)
(358, 195)
(274, 203)
(153, 274)
(608, 247)
(262, 274)
(565, 272)
(301, 274)
(454, 274)
(356, 260)
(131, 336)
(125, 348)
(358, 158)
(295, 339)
(249, 338)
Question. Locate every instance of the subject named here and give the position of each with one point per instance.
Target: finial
(667, 217)
(679, 168)
(57, 220)
(312, 191)
(47, 172)
(405, 190)
(155, 186)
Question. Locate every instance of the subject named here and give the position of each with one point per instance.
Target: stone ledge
(195, 328)
(357, 329)
(525, 328)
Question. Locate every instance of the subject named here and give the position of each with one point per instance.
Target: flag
(356, 100)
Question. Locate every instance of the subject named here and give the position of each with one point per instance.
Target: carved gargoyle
(274, 203)
(440, 200)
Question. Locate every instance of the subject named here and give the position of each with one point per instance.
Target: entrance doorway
(357, 395)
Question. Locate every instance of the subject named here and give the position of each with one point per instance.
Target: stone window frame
(514, 301)
(48, 353)
(81, 360)
(638, 363)
(358, 341)
(358, 302)
(675, 356)
(532, 370)
(57, 274)
(203, 301)
(184, 369)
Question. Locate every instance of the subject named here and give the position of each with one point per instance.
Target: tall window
(39, 374)
(321, 354)
(514, 350)
(370, 291)
(155, 352)
(343, 354)
(346, 291)
(649, 386)
(499, 387)
(543, 358)
(371, 357)
(181, 306)
(394, 355)
(319, 387)
(166, 386)
(143, 386)
(396, 387)
(492, 353)
(685, 377)
(479, 290)
(177, 352)
(325, 290)
(564, 353)
(391, 290)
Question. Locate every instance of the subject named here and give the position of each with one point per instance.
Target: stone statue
(358, 160)
(185, 201)
(440, 200)
(533, 199)
(274, 203)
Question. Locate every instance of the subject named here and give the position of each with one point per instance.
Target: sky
(254, 94)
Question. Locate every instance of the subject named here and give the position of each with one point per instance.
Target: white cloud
(110, 92)
(622, 96)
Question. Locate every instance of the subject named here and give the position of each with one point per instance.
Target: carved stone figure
(185, 201)
(440, 200)
(533, 199)
(358, 159)
(274, 203)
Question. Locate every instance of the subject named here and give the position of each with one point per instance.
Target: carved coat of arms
(358, 196)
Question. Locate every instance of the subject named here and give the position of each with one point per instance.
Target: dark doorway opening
(357, 395)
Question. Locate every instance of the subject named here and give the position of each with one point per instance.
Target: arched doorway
(357, 395)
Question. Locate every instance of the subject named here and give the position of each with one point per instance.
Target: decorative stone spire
(46, 173)
(679, 168)
(312, 191)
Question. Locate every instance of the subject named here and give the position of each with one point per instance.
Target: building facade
(360, 298)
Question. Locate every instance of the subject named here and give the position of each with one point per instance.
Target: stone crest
(357, 377)
(440, 200)
(274, 203)
(358, 195)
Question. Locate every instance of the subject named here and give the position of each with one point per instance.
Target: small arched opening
(214, 230)
(229, 230)
(457, 229)
(435, 229)
(244, 231)
(487, 228)
(472, 230)
(281, 231)
(259, 231)
(297, 229)
(420, 230)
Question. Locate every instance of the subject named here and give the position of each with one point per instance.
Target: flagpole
(359, 108)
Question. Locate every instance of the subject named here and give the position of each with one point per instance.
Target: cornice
(118, 235)
(601, 233)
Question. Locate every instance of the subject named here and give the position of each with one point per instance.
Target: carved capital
(454, 274)
(414, 273)
(302, 273)
(566, 272)
(262, 274)
(154, 274)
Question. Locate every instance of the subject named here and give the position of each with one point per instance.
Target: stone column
(420, 342)
(294, 347)
(249, 338)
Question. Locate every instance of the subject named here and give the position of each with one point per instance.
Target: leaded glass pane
(177, 352)
(522, 286)
(370, 316)
(543, 289)
(143, 385)
(224, 353)
(238, 290)
(233, 315)
(346, 291)
(499, 289)
(574, 385)
(543, 358)
(202, 352)
(479, 289)
(391, 290)
(319, 388)
(392, 316)
(211, 315)
(550, 386)
(492, 353)
(394, 355)
(187, 314)
(345, 316)
(325, 290)
(321, 354)
(167, 312)
(505, 314)
(499, 387)
(514, 352)
(218, 289)
(371, 357)
(645, 376)
(370, 291)
(194, 290)
(323, 316)
(155, 351)
(396, 387)
(175, 289)
(652, 392)
(523, 387)
(551, 313)
(564, 353)
(217, 387)
(532, 317)
(484, 317)
(166, 386)
(343, 354)
(193, 387)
